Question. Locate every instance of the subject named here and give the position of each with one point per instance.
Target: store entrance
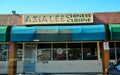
(30, 58)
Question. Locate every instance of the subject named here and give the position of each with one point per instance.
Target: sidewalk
(58, 74)
(71, 74)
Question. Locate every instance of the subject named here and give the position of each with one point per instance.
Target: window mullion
(115, 51)
(82, 50)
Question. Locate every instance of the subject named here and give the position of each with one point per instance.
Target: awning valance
(114, 31)
(59, 33)
(22, 33)
(90, 32)
(3, 34)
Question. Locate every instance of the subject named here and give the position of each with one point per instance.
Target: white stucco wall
(58, 66)
(69, 66)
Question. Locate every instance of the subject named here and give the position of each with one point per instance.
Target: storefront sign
(58, 18)
(59, 51)
(106, 45)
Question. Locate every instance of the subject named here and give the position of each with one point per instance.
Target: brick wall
(107, 17)
(99, 17)
(9, 19)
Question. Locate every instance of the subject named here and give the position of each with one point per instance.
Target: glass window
(44, 52)
(112, 50)
(118, 50)
(74, 51)
(3, 52)
(101, 44)
(90, 51)
(59, 51)
(19, 52)
(67, 51)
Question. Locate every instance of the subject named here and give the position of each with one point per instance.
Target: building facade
(58, 43)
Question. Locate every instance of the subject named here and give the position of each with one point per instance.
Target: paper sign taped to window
(106, 45)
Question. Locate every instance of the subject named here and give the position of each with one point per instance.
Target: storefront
(59, 43)
(4, 47)
(60, 49)
(114, 30)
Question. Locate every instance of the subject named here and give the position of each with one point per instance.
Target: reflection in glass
(112, 50)
(74, 51)
(19, 52)
(118, 50)
(3, 52)
(74, 54)
(89, 51)
(67, 51)
(43, 52)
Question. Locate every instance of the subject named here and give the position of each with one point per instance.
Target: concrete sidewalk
(60, 74)
(71, 74)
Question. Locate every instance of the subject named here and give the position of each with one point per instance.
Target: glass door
(30, 58)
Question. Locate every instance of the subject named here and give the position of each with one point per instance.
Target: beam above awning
(59, 33)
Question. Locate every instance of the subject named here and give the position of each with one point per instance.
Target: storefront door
(30, 58)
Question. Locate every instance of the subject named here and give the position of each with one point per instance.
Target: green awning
(3, 33)
(114, 31)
